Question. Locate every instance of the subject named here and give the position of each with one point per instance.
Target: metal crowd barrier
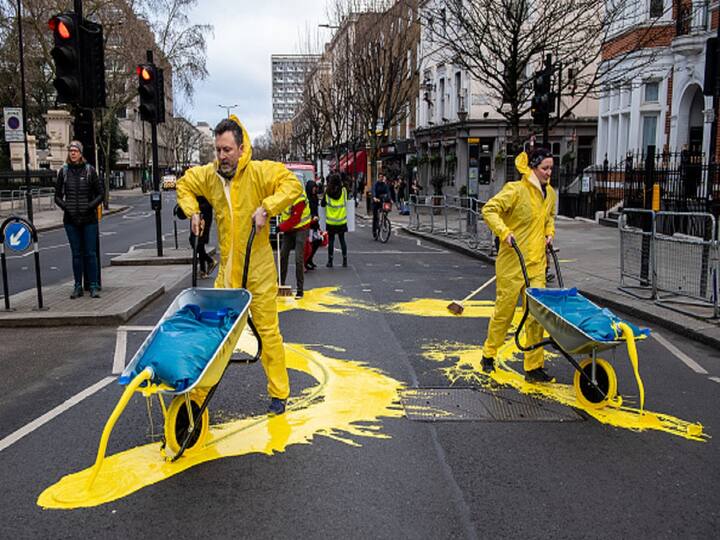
(14, 201)
(637, 258)
(458, 218)
(674, 257)
(686, 261)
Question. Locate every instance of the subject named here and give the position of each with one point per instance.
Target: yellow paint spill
(466, 367)
(347, 403)
(321, 300)
(437, 307)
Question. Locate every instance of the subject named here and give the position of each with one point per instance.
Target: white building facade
(654, 94)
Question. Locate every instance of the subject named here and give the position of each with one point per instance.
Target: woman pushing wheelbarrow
(522, 212)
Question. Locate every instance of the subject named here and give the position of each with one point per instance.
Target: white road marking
(715, 379)
(684, 358)
(121, 345)
(437, 292)
(53, 268)
(45, 418)
(367, 290)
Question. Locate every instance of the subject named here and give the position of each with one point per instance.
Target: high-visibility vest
(336, 210)
(306, 217)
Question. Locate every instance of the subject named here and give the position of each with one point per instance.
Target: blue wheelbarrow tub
(208, 300)
(577, 325)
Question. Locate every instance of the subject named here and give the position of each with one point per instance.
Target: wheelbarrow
(577, 326)
(186, 418)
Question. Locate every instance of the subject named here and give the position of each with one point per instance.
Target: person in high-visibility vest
(294, 223)
(334, 201)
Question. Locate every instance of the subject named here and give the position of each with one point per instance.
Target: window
(442, 98)
(649, 130)
(656, 8)
(652, 90)
(459, 105)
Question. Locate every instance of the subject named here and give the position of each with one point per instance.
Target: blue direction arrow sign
(17, 236)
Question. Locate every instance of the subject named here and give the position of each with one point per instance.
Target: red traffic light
(144, 73)
(59, 26)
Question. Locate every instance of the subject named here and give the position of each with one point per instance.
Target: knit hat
(77, 145)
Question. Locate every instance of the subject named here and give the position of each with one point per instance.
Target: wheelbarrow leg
(195, 422)
(590, 380)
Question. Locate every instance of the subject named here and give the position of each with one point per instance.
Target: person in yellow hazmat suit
(524, 211)
(243, 192)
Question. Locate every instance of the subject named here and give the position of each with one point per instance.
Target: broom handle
(279, 239)
(480, 288)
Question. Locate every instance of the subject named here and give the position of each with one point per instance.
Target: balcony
(692, 27)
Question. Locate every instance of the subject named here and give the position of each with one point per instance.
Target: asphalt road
(133, 227)
(579, 479)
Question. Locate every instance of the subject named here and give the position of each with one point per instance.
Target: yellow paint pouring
(347, 403)
(466, 367)
(321, 300)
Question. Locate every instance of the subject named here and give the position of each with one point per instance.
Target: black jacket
(78, 193)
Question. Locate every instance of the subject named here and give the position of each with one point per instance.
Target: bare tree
(184, 140)
(382, 75)
(183, 44)
(502, 42)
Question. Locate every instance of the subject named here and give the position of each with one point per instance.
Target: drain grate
(473, 404)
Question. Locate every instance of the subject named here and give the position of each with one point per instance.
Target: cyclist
(381, 193)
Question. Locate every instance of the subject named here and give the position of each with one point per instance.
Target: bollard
(20, 247)
(656, 197)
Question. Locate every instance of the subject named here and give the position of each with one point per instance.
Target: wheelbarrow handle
(522, 261)
(523, 267)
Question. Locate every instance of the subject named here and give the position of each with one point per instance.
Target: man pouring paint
(522, 212)
(243, 192)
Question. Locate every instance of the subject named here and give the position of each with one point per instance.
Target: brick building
(653, 96)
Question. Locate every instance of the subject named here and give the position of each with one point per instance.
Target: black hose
(246, 270)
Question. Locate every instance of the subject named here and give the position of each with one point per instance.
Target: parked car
(169, 181)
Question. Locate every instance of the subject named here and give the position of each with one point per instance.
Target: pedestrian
(522, 212)
(294, 223)
(380, 194)
(335, 203)
(78, 193)
(241, 190)
(314, 239)
(207, 263)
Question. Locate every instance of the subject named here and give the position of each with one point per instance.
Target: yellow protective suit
(519, 208)
(256, 183)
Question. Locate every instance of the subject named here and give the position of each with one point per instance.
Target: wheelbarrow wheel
(177, 423)
(606, 381)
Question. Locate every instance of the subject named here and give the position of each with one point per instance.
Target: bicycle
(384, 228)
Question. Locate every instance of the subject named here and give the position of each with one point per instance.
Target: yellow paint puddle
(465, 366)
(322, 300)
(437, 307)
(347, 403)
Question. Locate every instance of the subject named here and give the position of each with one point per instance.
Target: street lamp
(227, 108)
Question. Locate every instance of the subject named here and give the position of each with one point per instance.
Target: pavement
(132, 282)
(589, 260)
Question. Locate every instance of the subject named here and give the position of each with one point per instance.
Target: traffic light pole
(546, 120)
(28, 193)
(156, 179)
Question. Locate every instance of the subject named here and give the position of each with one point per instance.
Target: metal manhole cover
(467, 404)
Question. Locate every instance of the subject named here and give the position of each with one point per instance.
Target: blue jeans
(83, 240)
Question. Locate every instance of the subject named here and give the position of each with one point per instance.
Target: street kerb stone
(149, 257)
(473, 404)
(126, 291)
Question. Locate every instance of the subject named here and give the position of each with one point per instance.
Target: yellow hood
(247, 148)
(521, 164)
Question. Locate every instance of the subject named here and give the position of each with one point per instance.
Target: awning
(354, 163)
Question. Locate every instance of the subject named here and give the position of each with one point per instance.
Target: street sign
(17, 236)
(585, 185)
(13, 124)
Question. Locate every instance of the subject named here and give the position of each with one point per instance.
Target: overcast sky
(238, 56)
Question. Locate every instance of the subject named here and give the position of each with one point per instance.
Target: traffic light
(92, 54)
(151, 88)
(79, 58)
(543, 100)
(66, 54)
